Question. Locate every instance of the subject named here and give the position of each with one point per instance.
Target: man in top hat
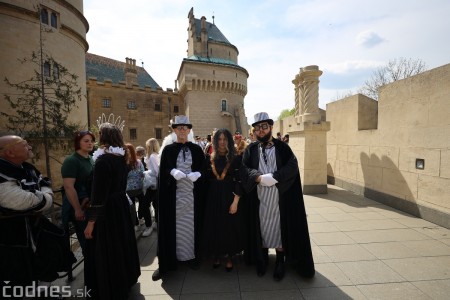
(180, 201)
(277, 211)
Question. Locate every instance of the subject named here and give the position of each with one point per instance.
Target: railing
(72, 239)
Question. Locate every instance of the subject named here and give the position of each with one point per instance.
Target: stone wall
(372, 146)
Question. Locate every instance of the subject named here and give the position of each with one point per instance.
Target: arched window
(54, 20)
(55, 71)
(44, 16)
(224, 105)
(46, 69)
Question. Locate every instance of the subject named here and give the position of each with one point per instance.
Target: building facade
(128, 91)
(211, 82)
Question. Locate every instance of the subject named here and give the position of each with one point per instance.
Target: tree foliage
(286, 113)
(395, 69)
(61, 92)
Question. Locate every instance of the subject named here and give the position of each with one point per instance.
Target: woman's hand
(79, 214)
(234, 205)
(89, 229)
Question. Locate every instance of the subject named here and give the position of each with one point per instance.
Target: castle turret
(211, 82)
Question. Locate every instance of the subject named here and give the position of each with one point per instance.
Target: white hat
(181, 120)
(262, 117)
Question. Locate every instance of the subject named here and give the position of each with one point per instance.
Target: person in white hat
(179, 200)
(272, 180)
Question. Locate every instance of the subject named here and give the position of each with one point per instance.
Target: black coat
(294, 226)
(166, 204)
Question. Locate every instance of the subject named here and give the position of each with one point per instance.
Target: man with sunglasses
(179, 201)
(276, 207)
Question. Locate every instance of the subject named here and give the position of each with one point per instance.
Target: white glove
(193, 176)
(268, 180)
(177, 174)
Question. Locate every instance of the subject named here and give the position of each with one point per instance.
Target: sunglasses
(261, 127)
(181, 127)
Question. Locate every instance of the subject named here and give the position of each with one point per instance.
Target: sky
(347, 39)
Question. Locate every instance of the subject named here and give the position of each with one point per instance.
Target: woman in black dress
(111, 265)
(224, 232)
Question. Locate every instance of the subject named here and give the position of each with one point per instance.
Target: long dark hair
(231, 152)
(111, 135)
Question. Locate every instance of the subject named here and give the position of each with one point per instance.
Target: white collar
(114, 150)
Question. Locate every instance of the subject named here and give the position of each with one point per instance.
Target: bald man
(24, 195)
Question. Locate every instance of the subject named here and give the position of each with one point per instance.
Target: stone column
(308, 139)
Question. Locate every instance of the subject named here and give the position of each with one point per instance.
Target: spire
(213, 18)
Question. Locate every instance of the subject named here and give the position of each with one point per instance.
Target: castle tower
(211, 82)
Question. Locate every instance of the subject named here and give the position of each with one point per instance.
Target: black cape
(166, 204)
(294, 226)
(111, 265)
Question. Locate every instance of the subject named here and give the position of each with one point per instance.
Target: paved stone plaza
(362, 250)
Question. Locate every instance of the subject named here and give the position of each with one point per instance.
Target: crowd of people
(213, 199)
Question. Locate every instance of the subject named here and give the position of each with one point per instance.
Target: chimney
(130, 72)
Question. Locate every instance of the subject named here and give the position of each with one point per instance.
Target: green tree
(58, 87)
(286, 113)
(394, 70)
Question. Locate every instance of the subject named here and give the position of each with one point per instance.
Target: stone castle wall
(372, 146)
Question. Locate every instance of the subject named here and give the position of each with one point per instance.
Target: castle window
(157, 106)
(224, 105)
(54, 20)
(44, 16)
(106, 103)
(158, 133)
(131, 104)
(133, 134)
(46, 69)
(55, 71)
(175, 108)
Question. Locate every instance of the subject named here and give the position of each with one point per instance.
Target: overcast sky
(347, 39)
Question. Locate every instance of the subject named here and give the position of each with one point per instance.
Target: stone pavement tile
(368, 225)
(327, 274)
(391, 235)
(445, 241)
(367, 215)
(350, 207)
(315, 218)
(391, 250)
(333, 293)
(436, 289)
(328, 210)
(331, 238)
(149, 261)
(250, 282)
(414, 222)
(389, 212)
(435, 232)
(336, 217)
(355, 252)
(421, 268)
(319, 256)
(212, 296)
(171, 285)
(322, 227)
(270, 295)
(428, 247)
(396, 290)
(369, 272)
(208, 280)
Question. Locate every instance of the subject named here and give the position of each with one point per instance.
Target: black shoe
(261, 268)
(279, 271)
(194, 264)
(156, 275)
